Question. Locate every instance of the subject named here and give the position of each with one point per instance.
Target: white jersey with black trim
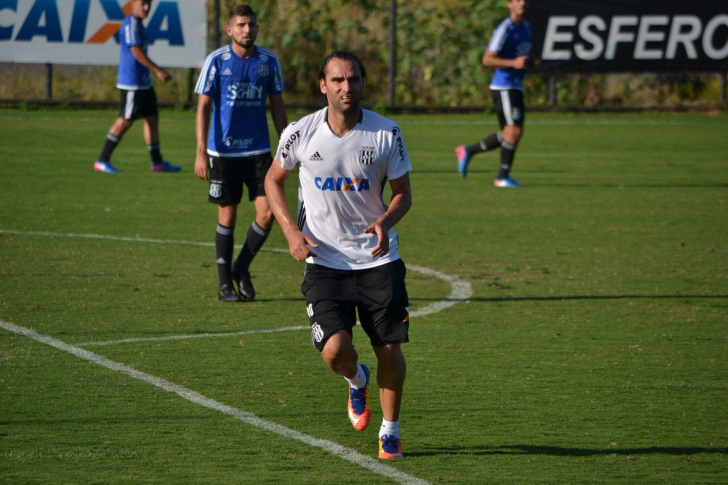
(341, 183)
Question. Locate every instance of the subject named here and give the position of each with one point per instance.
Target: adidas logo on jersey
(227, 72)
(316, 157)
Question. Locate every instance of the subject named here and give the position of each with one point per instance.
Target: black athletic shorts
(141, 103)
(379, 294)
(227, 176)
(509, 106)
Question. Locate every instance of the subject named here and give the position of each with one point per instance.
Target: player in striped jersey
(345, 157)
(235, 147)
(138, 99)
(509, 53)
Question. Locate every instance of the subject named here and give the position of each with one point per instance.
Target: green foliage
(439, 49)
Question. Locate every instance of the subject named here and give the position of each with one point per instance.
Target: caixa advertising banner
(630, 35)
(87, 31)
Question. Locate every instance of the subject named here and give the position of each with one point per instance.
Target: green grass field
(593, 349)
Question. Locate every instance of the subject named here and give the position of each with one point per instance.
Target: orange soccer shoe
(359, 411)
(390, 448)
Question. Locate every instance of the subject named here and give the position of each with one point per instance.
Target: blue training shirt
(238, 88)
(510, 40)
(132, 75)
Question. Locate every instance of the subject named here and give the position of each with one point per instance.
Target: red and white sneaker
(358, 406)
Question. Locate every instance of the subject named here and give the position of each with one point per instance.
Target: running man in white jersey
(345, 155)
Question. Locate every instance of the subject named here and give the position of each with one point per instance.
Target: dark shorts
(141, 103)
(333, 297)
(509, 106)
(227, 176)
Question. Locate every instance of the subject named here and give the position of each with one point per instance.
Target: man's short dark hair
(241, 11)
(343, 55)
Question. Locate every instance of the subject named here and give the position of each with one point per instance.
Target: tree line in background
(439, 48)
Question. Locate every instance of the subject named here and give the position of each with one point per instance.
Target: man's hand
(520, 62)
(163, 75)
(299, 244)
(382, 233)
(201, 166)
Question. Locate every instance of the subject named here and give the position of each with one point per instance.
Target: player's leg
(384, 316)
(391, 373)
(128, 111)
(151, 132)
(465, 153)
(514, 114)
(330, 306)
(226, 190)
(259, 228)
(224, 246)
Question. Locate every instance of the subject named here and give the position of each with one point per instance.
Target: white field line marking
(459, 290)
(192, 335)
(347, 454)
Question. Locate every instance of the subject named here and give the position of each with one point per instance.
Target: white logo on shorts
(309, 310)
(215, 190)
(317, 333)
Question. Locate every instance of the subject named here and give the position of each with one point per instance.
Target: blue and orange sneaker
(165, 167)
(105, 167)
(506, 182)
(390, 448)
(358, 407)
(463, 160)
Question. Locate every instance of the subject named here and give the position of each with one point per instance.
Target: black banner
(630, 35)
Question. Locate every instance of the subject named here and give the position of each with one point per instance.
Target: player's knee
(264, 218)
(512, 133)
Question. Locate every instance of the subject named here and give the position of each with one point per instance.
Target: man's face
(243, 31)
(140, 8)
(343, 85)
(517, 7)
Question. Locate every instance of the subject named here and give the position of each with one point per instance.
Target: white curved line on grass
(347, 454)
(460, 290)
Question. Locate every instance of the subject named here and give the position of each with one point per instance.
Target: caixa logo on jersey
(341, 184)
(89, 22)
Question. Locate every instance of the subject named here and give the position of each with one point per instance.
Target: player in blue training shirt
(138, 99)
(235, 148)
(509, 52)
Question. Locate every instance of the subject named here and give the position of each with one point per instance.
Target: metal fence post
(216, 25)
(392, 52)
(49, 81)
(552, 90)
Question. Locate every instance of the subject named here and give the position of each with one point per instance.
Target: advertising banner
(630, 36)
(86, 31)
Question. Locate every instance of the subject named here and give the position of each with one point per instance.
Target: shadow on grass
(571, 297)
(566, 451)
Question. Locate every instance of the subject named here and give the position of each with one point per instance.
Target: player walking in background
(138, 99)
(345, 155)
(508, 52)
(236, 80)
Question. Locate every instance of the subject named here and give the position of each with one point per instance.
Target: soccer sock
(154, 153)
(111, 142)
(508, 151)
(359, 380)
(255, 240)
(224, 241)
(390, 428)
(486, 144)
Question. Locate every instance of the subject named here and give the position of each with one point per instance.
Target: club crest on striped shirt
(367, 155)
